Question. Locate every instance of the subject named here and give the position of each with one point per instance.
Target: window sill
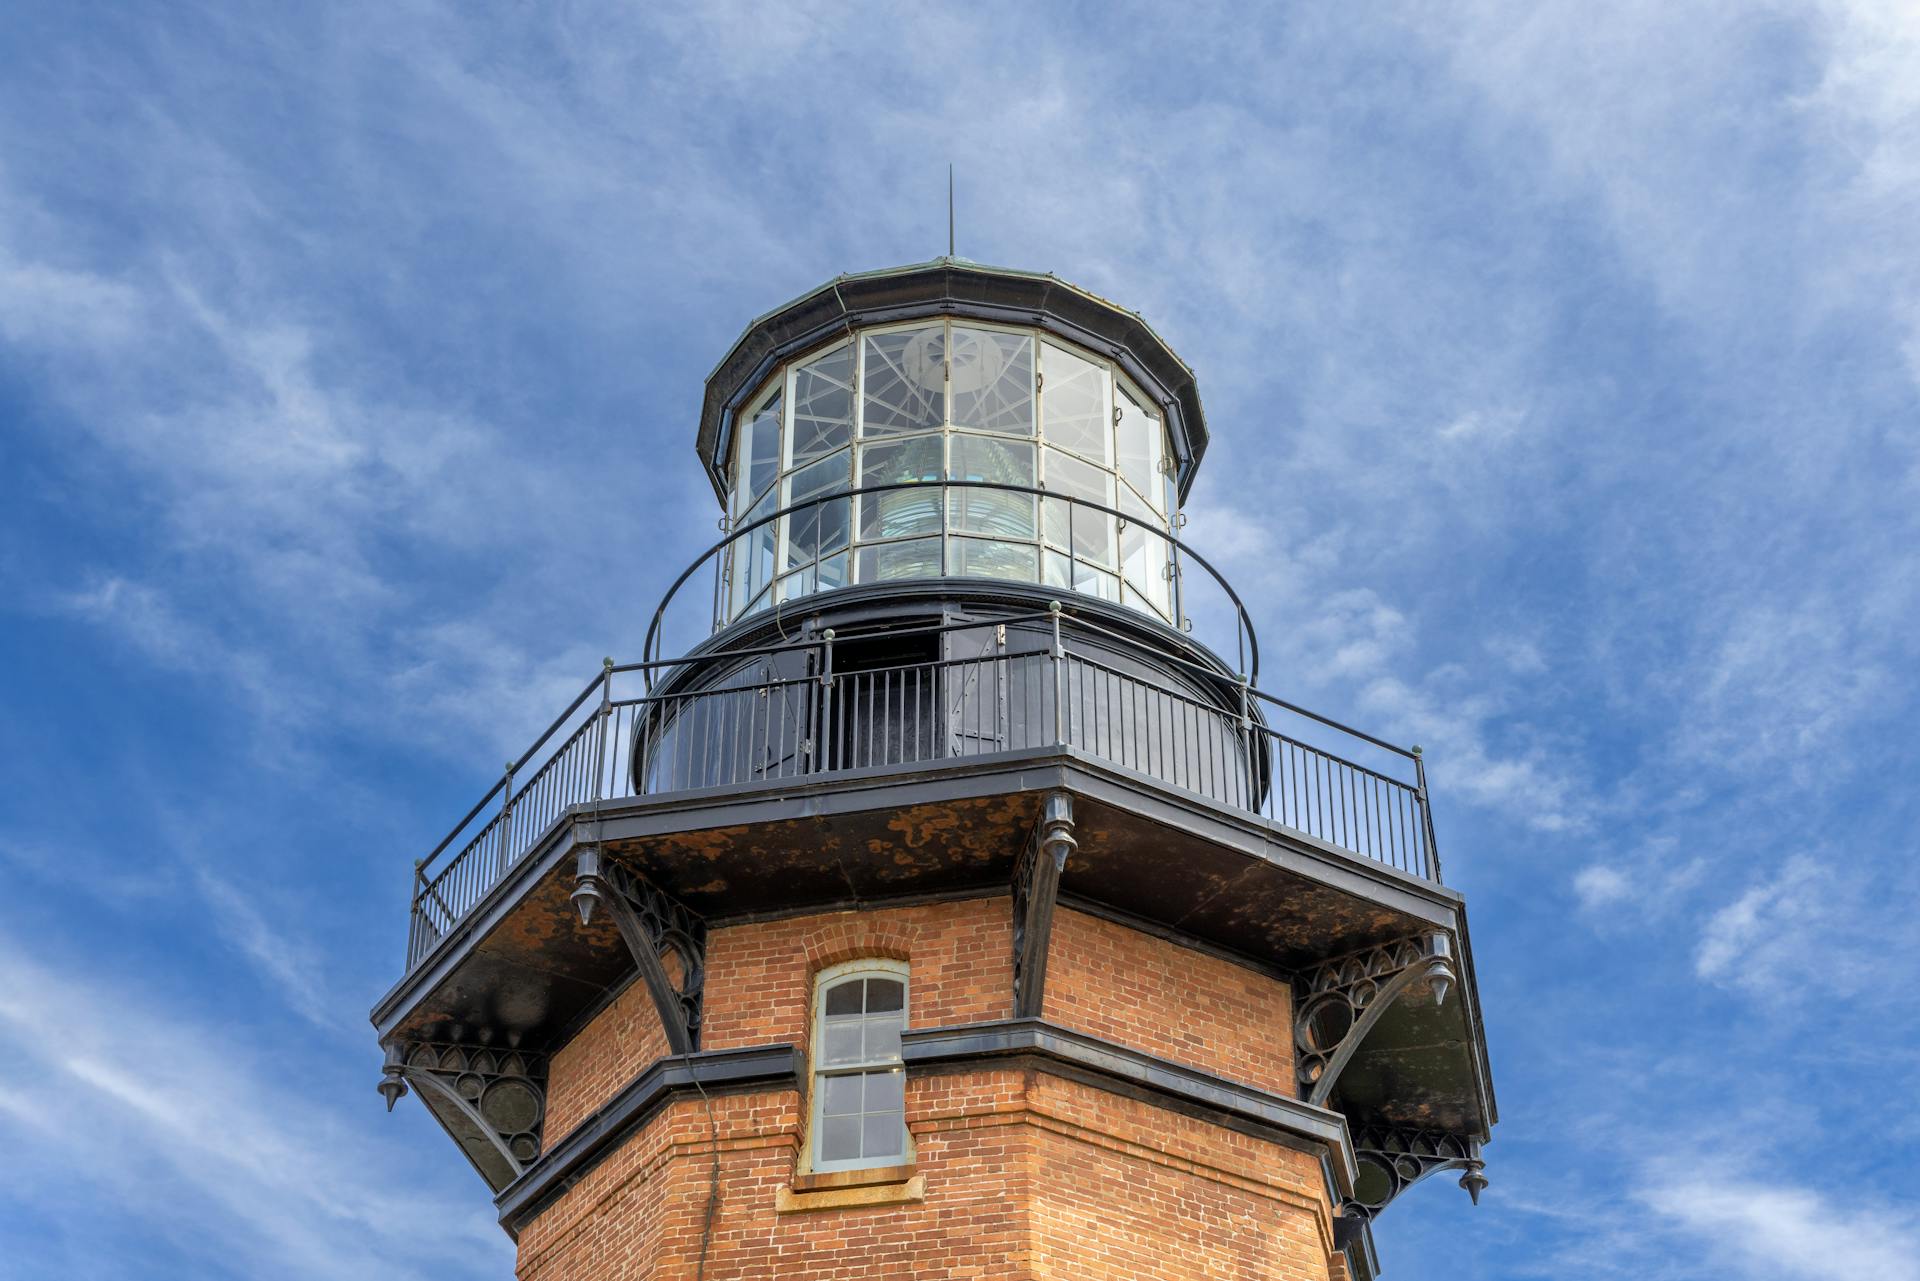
(845, 1189)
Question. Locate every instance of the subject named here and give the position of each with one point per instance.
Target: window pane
(844, 998)
(1143, 552)
(990, 511)
(841, 1095)
(919, 558)
(900, 512)
(905, 381)
(1139, 444)
(759, 452)
(823, 405)
(883, 1037)
(1073, 404)
(1089, 532)
(824, 529)
(1135, 600)
(842, 1043)
(992, 381)
(884, 1136)
(840, 1138)
(979, 558)
(1079, 576)
(884, 995)
(1144, 567)
(885, 1092)
(753, 551)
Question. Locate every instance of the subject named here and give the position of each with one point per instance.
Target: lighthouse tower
(944, 889)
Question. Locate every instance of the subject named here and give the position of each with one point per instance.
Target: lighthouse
(940, 887)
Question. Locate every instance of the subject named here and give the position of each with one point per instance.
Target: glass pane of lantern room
(900, 513)
(1000, 512)
(822, 405)
(822, 529)
(1089, 532)
(1073, 404)
(904, 381)
(1143, 553)
(1058, 571)
(759, 453)
(982, 558)
(883, 562)
(753, 551)
(1138, 448)
(991, 378)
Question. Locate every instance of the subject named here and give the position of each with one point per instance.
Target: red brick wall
(618, 1045)
(760, 977)
(1111, 981)
(1026, 1175)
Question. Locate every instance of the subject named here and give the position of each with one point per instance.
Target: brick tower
(941, 894)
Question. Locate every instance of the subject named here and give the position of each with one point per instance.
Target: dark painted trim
(567, 1162)
(1040, 769)
(1036, 890)
(953, 287)
(1246, 1108)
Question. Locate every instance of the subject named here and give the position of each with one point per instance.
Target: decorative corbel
(653, 925)
(1393, 1159)
(1036, 891)
(493, 1099)
(1337, 1003)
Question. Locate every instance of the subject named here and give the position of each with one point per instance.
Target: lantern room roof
(953, 287)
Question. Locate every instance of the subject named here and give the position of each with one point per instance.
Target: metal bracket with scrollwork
(1393, 1159)
(499, 1091)
(655, 926)
(1036, 891)
(1338, 1001)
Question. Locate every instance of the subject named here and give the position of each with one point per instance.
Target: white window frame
(818, 1072)
(1113, 382)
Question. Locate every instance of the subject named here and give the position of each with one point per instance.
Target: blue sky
(1563, 364)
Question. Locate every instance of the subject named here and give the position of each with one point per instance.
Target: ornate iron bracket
(500, 1092)
(658, 930)
(1393, 1160)
(1337, 1002)
(1036, 889)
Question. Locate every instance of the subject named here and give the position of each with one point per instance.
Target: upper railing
(1083, 542)
(788, 714)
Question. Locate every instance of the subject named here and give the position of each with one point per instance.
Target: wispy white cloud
(1807, 929)
(281, 956)
(210, 1139)
(1775, 1230)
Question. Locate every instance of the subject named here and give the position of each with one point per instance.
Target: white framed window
(859, 1083)
(923, 401)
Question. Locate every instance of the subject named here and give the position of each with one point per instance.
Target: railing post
(823, 755)
(1246, 746)
(1057, 657)
(414, 947)
(506, 819)
(1426, 813)
(601, 785)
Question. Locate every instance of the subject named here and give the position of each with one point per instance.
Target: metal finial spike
(949, 209)
(584, 897)
(1474, 1182)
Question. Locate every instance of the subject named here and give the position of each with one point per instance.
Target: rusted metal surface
(532, 975)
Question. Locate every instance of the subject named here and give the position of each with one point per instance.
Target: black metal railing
(788, 714)
(1200, 599)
